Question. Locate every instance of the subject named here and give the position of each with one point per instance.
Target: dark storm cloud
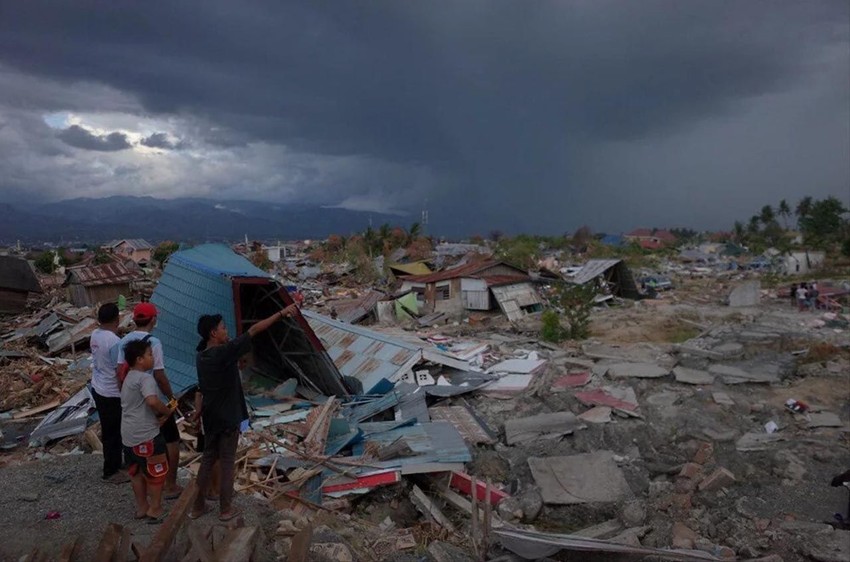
(514, 105)
(80, 137)
(161, 140)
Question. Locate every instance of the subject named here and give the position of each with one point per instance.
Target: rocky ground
(702, 471)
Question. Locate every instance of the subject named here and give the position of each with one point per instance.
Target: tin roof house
(212, 279)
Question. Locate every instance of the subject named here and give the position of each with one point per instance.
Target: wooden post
(300, 549)
(474, 523)
(161, 542)
(108, 543)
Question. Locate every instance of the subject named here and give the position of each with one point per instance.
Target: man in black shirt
(224, 406)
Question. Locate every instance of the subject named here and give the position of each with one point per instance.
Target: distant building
(17, 281)
(651, 239)
(135, 249)
(97, 284)
(481, 285)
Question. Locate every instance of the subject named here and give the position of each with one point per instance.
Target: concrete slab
(758, 441)
(637, 370)
(692, 376)
(722, 398)
(824, 419)
(576, 479)
(622, 399)
(541, 426)
(747, 293)
(729, 350)
(736, 375)
(598, 414)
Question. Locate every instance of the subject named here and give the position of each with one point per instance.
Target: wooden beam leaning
(164, 537)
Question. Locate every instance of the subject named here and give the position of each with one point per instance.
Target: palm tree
(739, 231)
(804, 207)
(767, 215)
(414, 232)
(753, 226)
(784, 212)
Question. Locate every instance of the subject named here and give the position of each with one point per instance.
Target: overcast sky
(536, 116)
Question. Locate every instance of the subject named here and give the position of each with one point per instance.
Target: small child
(142, 413)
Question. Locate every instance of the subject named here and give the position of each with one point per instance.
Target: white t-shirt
(802, 294)
(156, 346)
(103, 364)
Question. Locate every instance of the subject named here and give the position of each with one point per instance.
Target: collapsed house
(482, 285)
(612, 277)
(212, 279)
(17, 281)
(90, 285)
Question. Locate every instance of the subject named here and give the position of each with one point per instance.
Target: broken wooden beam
(424, 504)
(164, 537)
(200, 547)
(71, 550)
(108, 543)
(299, 551)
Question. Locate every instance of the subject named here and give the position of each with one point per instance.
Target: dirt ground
(72, 487)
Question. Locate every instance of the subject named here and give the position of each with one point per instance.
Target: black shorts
(169, 430)
(138, 461)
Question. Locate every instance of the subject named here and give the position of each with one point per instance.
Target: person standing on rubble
(107, 393)
(144, 316)
(142, 413)
(224, 409)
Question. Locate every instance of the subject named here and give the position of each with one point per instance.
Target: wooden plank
(93, 440)
(52, 405)
(239, 545)
(164, 537)
(463, 482)
(200, 548)
(108, 543)
(429, 509)
(122, 553)
(299, 551)
(71, 551)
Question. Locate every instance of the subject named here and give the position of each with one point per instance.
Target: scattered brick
(718, 479)
(704, 453)
(682, 501)
(691, 470)
(683, 536)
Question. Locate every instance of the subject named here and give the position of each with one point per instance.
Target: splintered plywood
(586, 478)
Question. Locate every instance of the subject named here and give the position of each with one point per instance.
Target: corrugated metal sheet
(135, 243)
(200, 281)
(416, 268)
(370, 356)
(468, 270)
(593, 269)
(97, 275)
(512, 299)
(354, 311)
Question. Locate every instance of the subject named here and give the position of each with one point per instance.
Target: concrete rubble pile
(467, 442)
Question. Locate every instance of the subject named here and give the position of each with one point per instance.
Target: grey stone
(747, 293)
(757, 441)
(585, 478)
(722, 398)
(729, 350)
(597, 414)
(531, 503)
(692, 376)
(634, 513)
(735, 375)
(824, 419)
(541, 426)
(829, 547)
(637, 370)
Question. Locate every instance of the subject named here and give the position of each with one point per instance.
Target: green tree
(784, 211)
(162, 252)
(767, 216)
(739, 231)
(101, 257)
(577, 303)
(803, 208)
(822, 224)
(754, 225)
(261, 260)
(414, 232)
(551, 329)
(45, 262)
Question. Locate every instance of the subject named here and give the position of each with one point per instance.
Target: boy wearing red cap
(144, 316)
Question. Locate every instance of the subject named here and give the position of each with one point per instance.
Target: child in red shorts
(141, 415)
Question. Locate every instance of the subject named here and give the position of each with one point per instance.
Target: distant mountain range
(183, 219)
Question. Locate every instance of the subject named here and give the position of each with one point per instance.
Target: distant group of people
(805, 296)
(136, 406)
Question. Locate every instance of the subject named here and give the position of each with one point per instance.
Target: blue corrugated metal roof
(366, 355)
(219, 260)
(191, 285)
